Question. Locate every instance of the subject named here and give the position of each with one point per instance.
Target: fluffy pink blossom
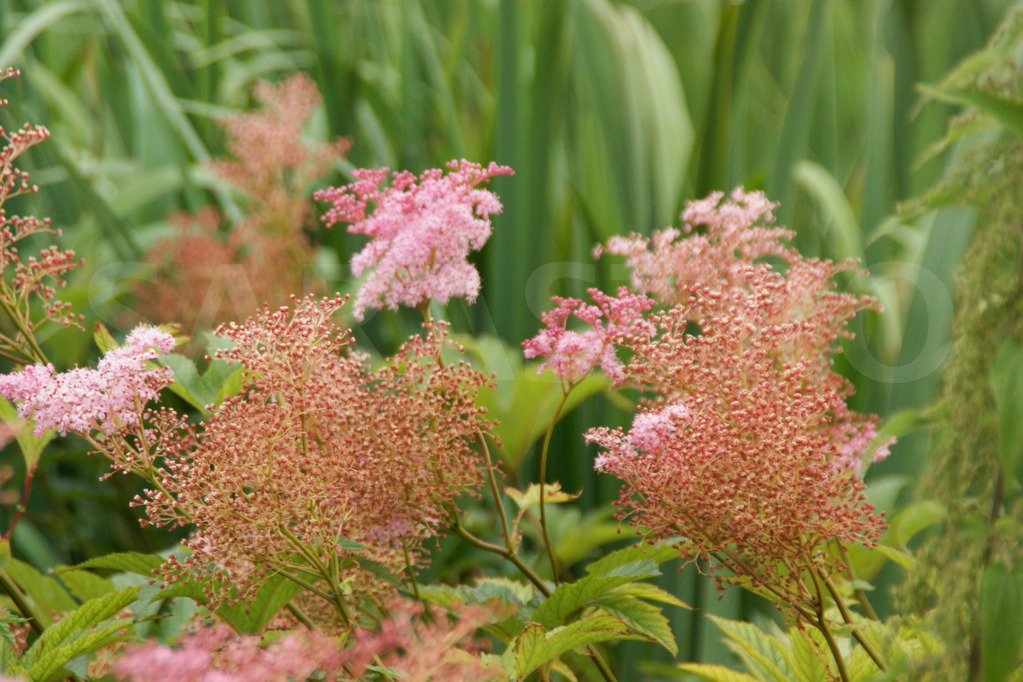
(414, 648)
(107, 398)
(718, 239)
(422, 230)
(571, 355)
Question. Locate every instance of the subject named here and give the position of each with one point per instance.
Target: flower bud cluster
(422, 229)
(745, 446)
(319, 458)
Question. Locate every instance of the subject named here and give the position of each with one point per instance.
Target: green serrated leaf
(80, 632)
(128, 562)
(568, 598)
(641, 618)
(642, 552)
(807, 647)
(536, 646)
(644, 590)
(202, 390)
(903, 559)
(716, 673)
(761, 652)
(251, 617)
(48, 595)
(83, 585)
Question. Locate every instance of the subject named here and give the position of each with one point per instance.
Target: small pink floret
(107, 398)
(423, 230)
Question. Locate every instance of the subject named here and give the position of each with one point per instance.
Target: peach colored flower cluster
(317, 450)
(414, 648)
(35, 277)
(745, 444)
(207, 273)
(109, 398)
(422, 230)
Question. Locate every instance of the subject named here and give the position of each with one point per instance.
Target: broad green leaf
(608, 564)
(807, 647)
(202, 390)
(80, 632)
(488, 589)
(1000, 606)
(83, 585)
(536, 646)
(900, 557)
(247, 618)
(645, 590)
(1007, 384)
(716, 673)
(568, 598)
(252, 616)
(128, 562)
(31, 446)
(641, 618)
(46, 593)
(758, 650)
(525, 405)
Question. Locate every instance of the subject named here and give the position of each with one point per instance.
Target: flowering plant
(314, 484)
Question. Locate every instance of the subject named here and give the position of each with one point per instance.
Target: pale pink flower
(108, 398)
(422, 230)
(417, 649)
(718, 239)
(571, 355)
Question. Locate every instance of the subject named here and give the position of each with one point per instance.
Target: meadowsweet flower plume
(320, 456)
(207, 271)
(422, 231)
(745, 444)
(35, 277)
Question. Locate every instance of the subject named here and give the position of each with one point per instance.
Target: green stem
(411, 573)
(543, 482)
(847, 617)
(858, 593)
(21, 602)
(36, 353)
(19, 511)
(822, 625)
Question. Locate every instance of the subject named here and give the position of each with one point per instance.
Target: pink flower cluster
(317, 448)
(745, 446)
(108, 398)
(718, 239)
(422, 230)
(571, 355)
(36, 276)
(407, 644)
